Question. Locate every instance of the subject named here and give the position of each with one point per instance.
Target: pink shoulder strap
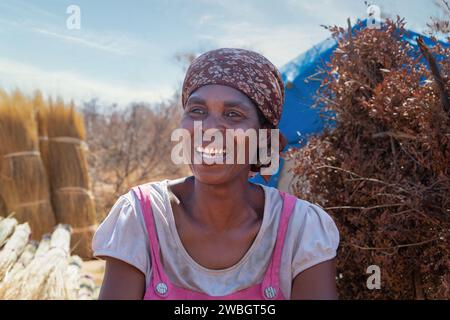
(271, 283)
(159, 278)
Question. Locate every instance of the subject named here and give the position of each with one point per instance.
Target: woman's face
(220, 108)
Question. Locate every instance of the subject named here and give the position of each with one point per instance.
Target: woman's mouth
(211, 154)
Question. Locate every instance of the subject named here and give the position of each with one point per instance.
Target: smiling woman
(215, 235)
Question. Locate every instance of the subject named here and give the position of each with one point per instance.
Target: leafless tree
(440, 24)
(129, 146)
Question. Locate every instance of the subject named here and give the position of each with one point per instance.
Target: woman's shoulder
(304, 212)
(309, 224)
(311, 236)
(125, 216)
(156, 190)
(308, 214)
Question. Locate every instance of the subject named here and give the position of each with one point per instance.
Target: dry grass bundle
(42, 109)
(13, 248)
(23, 181)
(383, 171)
(45, 271)
(6, 229)
(9, 280)
(3, 210)
(44, 245)
(24, 260)
(87, 288)
(44, 276)
(73, 277)
(71, 196)
(10, 288)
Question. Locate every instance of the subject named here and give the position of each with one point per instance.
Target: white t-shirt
(311, 238)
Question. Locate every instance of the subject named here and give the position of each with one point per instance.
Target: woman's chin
(213, 174)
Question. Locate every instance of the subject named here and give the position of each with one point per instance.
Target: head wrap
(244, 70)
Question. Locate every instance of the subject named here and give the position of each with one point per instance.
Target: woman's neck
(223, 206)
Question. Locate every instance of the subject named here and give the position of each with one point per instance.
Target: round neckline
(188, 257)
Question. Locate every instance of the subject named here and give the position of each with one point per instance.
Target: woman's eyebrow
(227, 104)
(230, 104)
(196, 100)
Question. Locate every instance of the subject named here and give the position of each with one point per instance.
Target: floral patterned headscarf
(244, 70)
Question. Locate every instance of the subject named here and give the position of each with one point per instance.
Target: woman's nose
(213, 121)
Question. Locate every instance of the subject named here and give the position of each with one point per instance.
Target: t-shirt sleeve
(122, 235)
(318, 237)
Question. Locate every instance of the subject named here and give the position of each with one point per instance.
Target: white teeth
(210, 151)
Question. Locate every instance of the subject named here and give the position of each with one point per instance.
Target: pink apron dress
(160, 287)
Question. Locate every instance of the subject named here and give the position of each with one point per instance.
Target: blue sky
(124, 50)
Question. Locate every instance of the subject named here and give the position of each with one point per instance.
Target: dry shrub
(129, 146)
(382, 172)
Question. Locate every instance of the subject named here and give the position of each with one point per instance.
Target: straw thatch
(23, 181)
(71, 196)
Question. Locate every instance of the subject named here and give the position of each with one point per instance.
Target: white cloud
(329, 11)
(279, 44)
(204, 19)
(28, 8)
(73, 86)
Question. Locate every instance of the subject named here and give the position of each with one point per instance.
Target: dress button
(270, 292)
(161, 288)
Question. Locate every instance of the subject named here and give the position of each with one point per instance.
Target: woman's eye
(233, 114)
(197, 110)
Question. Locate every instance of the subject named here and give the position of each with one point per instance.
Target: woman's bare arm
(122, 281)
(316, 283)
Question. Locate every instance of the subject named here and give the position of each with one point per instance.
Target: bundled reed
(3, 210)
(6, 229)
(44, 276)
(24, 184)
(24, 260)
(43, 271)
(13, 248)
(72, 199)
(87, 288)
(10, 288)
(42, 109)
(73, 277)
